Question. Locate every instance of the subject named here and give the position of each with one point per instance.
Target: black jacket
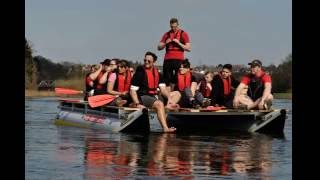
(217, 94)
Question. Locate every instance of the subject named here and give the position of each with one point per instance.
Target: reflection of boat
(121, 119)
(102, 155)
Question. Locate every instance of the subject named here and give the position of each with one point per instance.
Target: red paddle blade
(100, 100)
(67, 91)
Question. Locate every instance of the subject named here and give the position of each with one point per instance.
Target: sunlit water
(60, 152)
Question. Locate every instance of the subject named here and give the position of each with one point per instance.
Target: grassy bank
(36, 93)
(76, 84)
(282, 95)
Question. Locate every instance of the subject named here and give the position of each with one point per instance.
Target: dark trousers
(170, 70)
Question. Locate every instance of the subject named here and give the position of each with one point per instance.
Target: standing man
(176, 41)
(224, 85)
(259, 89)
(144, 90)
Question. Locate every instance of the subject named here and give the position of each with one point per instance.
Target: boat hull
(117, 119)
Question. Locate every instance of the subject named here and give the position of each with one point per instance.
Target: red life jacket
(226, 85)
(184, 81)
(153, 80)
(172, 46)
(204, 89)
(123, 83)
(101, 86)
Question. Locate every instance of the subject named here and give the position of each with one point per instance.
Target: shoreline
(39, 94)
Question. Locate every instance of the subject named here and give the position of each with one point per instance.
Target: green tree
(282, 76)
(30, 68)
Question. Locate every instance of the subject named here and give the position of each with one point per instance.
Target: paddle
(67, 91)
(100, 100)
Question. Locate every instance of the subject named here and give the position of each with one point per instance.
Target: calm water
(60, 152)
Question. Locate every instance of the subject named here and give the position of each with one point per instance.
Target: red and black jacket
(172, 46)
(255, 87)
(184, 81)
(218, 94)
(122, 83)
(147, 81)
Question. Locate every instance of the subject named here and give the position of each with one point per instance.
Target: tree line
(38, 68)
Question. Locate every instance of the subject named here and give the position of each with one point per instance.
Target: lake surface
(61, 152)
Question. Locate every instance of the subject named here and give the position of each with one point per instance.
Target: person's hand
(123, 93)
(140, 106)
(168, 41)
(236, 102)
(261, 105)
(107, 68)
(176, 41)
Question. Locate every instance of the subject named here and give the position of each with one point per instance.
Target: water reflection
(120, 155)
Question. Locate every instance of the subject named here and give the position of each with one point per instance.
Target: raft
(78, 113)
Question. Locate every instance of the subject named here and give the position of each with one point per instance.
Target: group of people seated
(146, 87)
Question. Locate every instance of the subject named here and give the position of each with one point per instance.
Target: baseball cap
(255, 62)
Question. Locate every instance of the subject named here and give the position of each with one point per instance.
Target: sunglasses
(121, 66)
(146, 60)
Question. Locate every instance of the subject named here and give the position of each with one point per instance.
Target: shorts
(170, 69)
(148, 100)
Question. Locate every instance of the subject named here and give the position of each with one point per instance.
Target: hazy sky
(221, 31)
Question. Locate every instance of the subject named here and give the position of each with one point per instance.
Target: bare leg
(159, 107)
(174, 98)
(246, 100)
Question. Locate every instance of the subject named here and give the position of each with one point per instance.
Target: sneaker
(267, 105)
(206, 102)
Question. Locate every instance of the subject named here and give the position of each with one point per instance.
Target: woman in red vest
(186, 86)
(119, 84)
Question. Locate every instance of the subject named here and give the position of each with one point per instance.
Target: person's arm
(94, 75)
(111, 83)
(89, 81)
(239, 89)
(164, 91)
(266, 92)
(186, 47)
(193, 88)
(163, 42)
(103, 79)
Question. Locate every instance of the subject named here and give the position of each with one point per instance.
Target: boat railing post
(72, 106)
(85, 108)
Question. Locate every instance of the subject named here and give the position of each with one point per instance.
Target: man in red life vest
(176, 41)
(224, 85)
(258, 85)
(144, 89)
